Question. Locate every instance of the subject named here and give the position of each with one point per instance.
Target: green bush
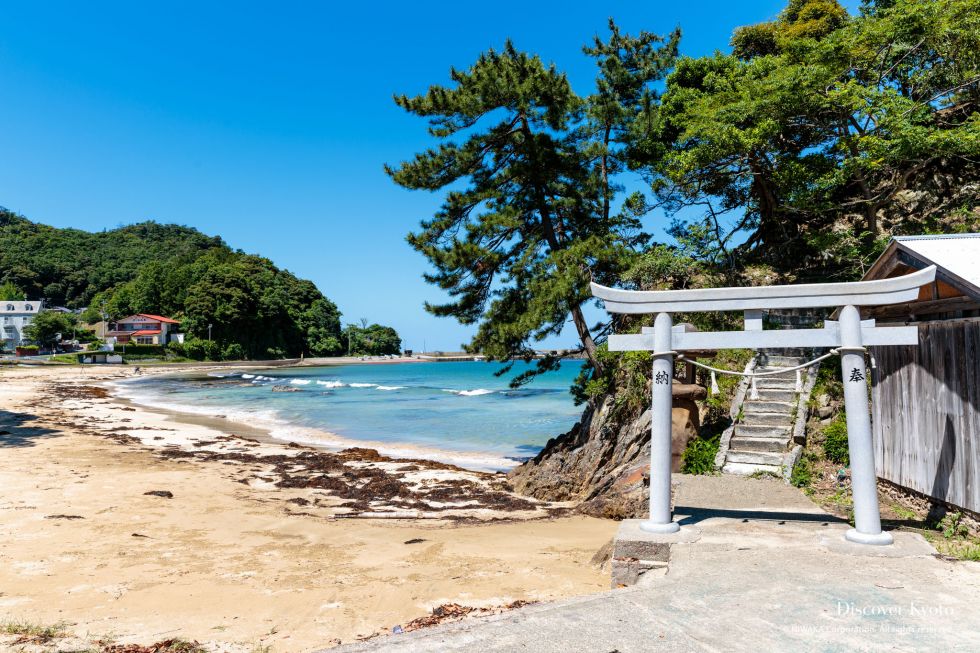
(699, 456)
(85, 336)
(195, 349)
(835, 441)
(233, 352)
(212, 350)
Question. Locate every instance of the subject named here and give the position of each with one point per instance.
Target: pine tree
(527, 166)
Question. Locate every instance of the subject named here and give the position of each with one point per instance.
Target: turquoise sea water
(458, 412)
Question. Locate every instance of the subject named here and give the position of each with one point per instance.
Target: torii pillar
(660, 441)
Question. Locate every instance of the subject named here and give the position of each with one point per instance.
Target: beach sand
(234, 560)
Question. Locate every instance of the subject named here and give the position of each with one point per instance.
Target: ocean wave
(300, 381)
(331, 384)
(364, 385)
(390, 387)
(248, 376)
(470, 393)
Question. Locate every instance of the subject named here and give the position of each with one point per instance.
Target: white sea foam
(364, 385)
(281, 429)
(331, 384)
(390, 387)
(248, 376)
(470, 393)
(300, 381)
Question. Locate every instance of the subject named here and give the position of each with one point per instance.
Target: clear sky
(268, 123)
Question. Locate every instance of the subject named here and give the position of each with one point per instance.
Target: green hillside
(257, 310)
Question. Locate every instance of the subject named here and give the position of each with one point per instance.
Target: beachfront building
(145, 329)
(14, 318)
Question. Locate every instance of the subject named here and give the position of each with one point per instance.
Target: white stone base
(879, 539)
(653, 527)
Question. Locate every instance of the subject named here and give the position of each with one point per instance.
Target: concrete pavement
(764, 570)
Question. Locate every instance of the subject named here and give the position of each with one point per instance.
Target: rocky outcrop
(604, 461)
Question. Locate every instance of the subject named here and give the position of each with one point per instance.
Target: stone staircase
(762, 438)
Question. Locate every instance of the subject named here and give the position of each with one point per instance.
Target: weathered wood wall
(926, 412)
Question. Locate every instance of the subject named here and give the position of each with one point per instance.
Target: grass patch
(904, 513)
(802, 474)
(961, 548)
(32, 633)
(828, 383)
(64, 358)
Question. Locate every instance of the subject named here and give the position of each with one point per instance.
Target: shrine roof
(957, 253)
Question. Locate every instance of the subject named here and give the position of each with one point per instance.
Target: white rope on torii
(754, 392)
(847, 338)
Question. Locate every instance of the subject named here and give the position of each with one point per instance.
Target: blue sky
(269, 123)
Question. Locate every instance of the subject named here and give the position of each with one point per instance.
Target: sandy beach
(131, 526)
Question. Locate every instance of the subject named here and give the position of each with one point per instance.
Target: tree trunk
(555, 244)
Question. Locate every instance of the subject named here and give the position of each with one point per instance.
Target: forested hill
(69, 267)
(256, 309)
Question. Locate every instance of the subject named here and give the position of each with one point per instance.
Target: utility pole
(209, 332)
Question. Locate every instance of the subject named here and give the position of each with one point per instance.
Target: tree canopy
(530, 169)
(48, 327)
(255, 309)
(794, 156)
(802, 147)
(10, 292)
(372, 340)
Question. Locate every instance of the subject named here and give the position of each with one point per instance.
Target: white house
(14, 318)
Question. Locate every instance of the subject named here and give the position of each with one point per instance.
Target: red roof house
(145, 329)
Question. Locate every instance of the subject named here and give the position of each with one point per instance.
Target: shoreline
(117, 519)
(318, 438)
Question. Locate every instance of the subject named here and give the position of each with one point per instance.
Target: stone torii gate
(848, 336)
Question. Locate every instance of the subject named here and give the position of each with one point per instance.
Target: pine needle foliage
(528, 173)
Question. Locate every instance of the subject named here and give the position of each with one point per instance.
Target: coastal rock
(285, 388)
(602, 463)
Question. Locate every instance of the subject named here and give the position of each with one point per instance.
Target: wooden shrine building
(926, 398)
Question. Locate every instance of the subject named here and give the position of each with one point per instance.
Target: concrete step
(759, 406)
(742, 443)
(755, 458)
(776, 394)
(754, 430)
(785, 373)
(782, 361)
(743, 469)
(795, 352)
(787, 382)
(768, 419)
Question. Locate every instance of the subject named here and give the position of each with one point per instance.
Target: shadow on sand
(15, 430)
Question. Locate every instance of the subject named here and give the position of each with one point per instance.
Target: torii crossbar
(849, 336)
